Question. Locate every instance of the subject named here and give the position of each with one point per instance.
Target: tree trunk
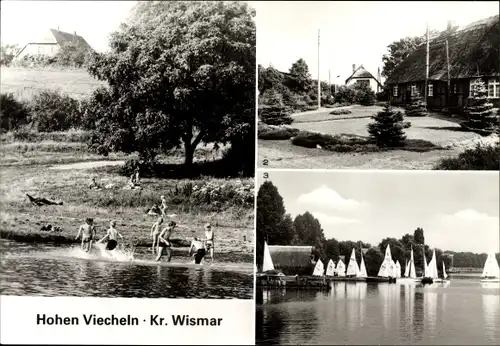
(188, 153)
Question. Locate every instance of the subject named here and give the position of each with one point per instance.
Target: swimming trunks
(163, 244)
(87, 239)
(210, 243)
(199, 256)
(111, 244)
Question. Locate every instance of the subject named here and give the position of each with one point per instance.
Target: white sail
(352, 267)
(407, 269)
(393, 269)
(340, 269)
(426, 267)
(362, 269)
(398, 269)
(386, 269)
(413, 272)
(319, 269)
(330, 268)
(444, 271)
(434, 269)
(268, 261)
(491, 268)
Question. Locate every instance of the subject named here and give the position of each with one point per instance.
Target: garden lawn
(443, 133)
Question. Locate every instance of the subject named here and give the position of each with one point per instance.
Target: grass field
(443, 133)
(29, 168)
(26, 82)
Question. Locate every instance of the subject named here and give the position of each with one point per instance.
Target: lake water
(50, 270)
(463, 312)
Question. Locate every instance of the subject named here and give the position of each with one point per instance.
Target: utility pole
(329, 83)
(319, 82)
(448, 67)
(427, 67)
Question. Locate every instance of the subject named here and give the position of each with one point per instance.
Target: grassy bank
(27, 168)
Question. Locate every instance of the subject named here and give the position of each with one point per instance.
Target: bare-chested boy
(111, 237)
(155, 232)
(87, 232)
(209, 235)
(164, 241)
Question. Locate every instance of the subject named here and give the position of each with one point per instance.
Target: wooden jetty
(380, 279)
(302, 281)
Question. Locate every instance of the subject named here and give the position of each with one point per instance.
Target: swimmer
(198, 250)
(163, 205)
(209, 235)
(87, 232)
(155, 232)
(111, 236)
(164, 244)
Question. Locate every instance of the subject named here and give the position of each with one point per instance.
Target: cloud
(470, 215)
(327, 198)
(325, 219)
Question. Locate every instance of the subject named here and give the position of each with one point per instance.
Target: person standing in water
(87, 232)
(209, 235)
(164, 244)
(197, 249)
(111, 237)
(155, 232)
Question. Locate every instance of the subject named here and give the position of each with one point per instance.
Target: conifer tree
(417, 106)
(387, 129)
(480, 112)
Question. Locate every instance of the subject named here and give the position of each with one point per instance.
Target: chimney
(353, 67)
(75, 33)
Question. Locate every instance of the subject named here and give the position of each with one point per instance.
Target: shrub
(482, 157)
(145, 169)
(35, 136)
(13, 113)
(416, 107)
(387, 129)
(382, 96)
(53, 111)
(345, 95)
(340, 111)
(275, 115)
(364, 94)
(338, 143)
(480, 112)
(276, 132)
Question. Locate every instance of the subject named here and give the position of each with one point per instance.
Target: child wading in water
(164, 244)
(209, 235)
(155, 232)
(111, 236)
(87, 231)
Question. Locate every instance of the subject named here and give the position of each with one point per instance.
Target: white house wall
(373, 83)
(39, 49)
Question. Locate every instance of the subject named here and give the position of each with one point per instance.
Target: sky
(93, 20)
(355, 32)
(459, 211)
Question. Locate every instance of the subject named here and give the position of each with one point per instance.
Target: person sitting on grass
(155, 210)
(197, 249)
(88, 234)
(164, 244)
(94, 185)
(155, 232)
(111, 237)
(209, 235)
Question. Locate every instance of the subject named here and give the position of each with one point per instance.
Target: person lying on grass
(111, 237)
(155, 232)
(164, 244)
(88, 234)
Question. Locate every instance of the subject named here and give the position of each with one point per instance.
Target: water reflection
(430, 311)
(491, 308)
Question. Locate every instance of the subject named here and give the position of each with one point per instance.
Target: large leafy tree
(309, 232)
(300, 78)
(179, 73)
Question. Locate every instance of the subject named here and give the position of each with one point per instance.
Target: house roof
(361, 72)
(473, 51)
(290, 256)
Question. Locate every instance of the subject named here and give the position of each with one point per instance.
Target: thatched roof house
(362, 75)
(49, 43)
(473, 53)
(291, 260)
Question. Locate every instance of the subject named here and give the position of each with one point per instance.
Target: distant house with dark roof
(50, 42)
(361, 75)
(473, 54)
(292, 260)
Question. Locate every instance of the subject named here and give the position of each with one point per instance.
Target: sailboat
(352, 267)
(434, 270)
(427, 278)
(319, 269)
(398, 270)
(340, 268)
(387, 268)
(410, 274)
(330, 268)
(268, 261)
(445, 276)
(491, 271)
(362, 270)
(407, 269)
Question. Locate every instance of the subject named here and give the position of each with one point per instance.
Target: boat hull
(380, 279)
(496, 280)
